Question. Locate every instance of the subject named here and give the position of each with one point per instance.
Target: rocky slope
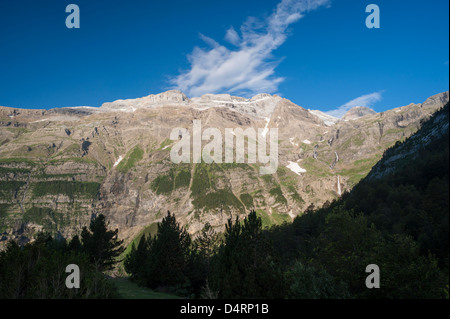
(60, 166)
(357, 112)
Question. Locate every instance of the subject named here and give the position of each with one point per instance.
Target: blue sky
(320, 55)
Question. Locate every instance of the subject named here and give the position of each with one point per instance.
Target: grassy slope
(129, 290)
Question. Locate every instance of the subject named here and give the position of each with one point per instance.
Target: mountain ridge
(58, 167)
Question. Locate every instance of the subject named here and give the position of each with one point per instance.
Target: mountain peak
(357, 112)
(168, 97)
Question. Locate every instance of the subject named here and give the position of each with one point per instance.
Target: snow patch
(118, 161)
(266, 129)
(306, 141)
(40, 120)
(295, 168)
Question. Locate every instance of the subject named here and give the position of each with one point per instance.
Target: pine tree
(101, 245)
(168, 254)
(246, 265)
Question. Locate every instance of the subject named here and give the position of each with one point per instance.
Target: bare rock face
(357, 112)
(59, 167)
(166, 98)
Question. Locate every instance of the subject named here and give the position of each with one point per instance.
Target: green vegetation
(70, 188)
(46, 217)
(358, 140)
(163, 184)
(149, 230)
(163, 259)
(73, 159)
(266, 221)
(359, 170)
(272, 219)
(165, 143)
(268, 179)
(247, 199)
(280, 218)
(47, 176)
(316, 168)
(71, 150)
(221, 198)
(13, 170)
(398, 222)
(130, 290)
(245, 265)
(278, 194)
(203, 180)
(227, 166)
(295, 195)
(183, 179)
(176, 178)
(10, 189)
(38, 270)
(130, 160)
(101, 245)
(204, 192)
(3, 211)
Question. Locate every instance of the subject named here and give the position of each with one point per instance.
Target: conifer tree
(101, 245)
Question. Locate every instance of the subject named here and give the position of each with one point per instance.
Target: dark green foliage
(75, 244)
(168, 254)
(47, 217)
(100, 244)
(348, 243)
(72, 189)
(170, 260)
(135, 261)
(183, 179)
(306, 282)
(13, 170)
(38, 271)
(201, 182)
(174, 179)
(295, 195)
(206, 242)
(163, 184)
(247, 199)
(246, 265)
(9, 189)
(221, 198)
(3, 210)
(278, 194)
(398, 221)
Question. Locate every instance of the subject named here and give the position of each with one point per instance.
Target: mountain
(396, 218)
(432, 137)
(357, 112)
(59, 167)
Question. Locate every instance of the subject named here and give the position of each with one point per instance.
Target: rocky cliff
(59, 167)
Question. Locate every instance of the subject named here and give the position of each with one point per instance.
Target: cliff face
(432, 134)
(59, 167)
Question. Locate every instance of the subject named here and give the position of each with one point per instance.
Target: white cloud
(232, 36)
(249, 68)
(367, 100)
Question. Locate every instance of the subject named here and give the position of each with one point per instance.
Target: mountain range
(60, 167)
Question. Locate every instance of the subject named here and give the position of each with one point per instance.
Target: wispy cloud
(367, 100)
(249, 67)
